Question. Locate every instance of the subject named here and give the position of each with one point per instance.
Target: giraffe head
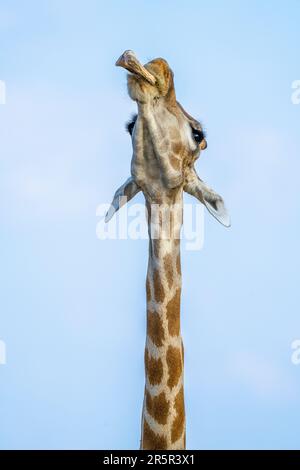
(152, 85)
(166, 140)
(149, 82)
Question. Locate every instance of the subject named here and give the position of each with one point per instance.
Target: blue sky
(72, 307)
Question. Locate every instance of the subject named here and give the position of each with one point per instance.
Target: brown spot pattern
(152, 441)
(173, 314)
(179, 421)
(156, 246)
(178, 264)
(148, 290)
(159, 292)
(155, 328)
(177, 242)
(176, 147)
(175, 366)
(168, 265)
(154, 369)
(158, 407)
(176, 163)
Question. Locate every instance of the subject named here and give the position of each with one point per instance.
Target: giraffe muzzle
(129, 61)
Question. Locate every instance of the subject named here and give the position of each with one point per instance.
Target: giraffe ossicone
(166, 142)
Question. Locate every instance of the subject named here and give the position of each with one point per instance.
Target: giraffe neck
(163, 418)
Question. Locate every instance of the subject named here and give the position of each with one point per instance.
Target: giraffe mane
(130, 124)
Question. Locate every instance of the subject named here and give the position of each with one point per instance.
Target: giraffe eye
(198, 135)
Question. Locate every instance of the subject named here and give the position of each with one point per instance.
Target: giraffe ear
(216, 206)
(123, 194)
(213, 202)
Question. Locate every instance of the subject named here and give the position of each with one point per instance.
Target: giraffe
(166, 142)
